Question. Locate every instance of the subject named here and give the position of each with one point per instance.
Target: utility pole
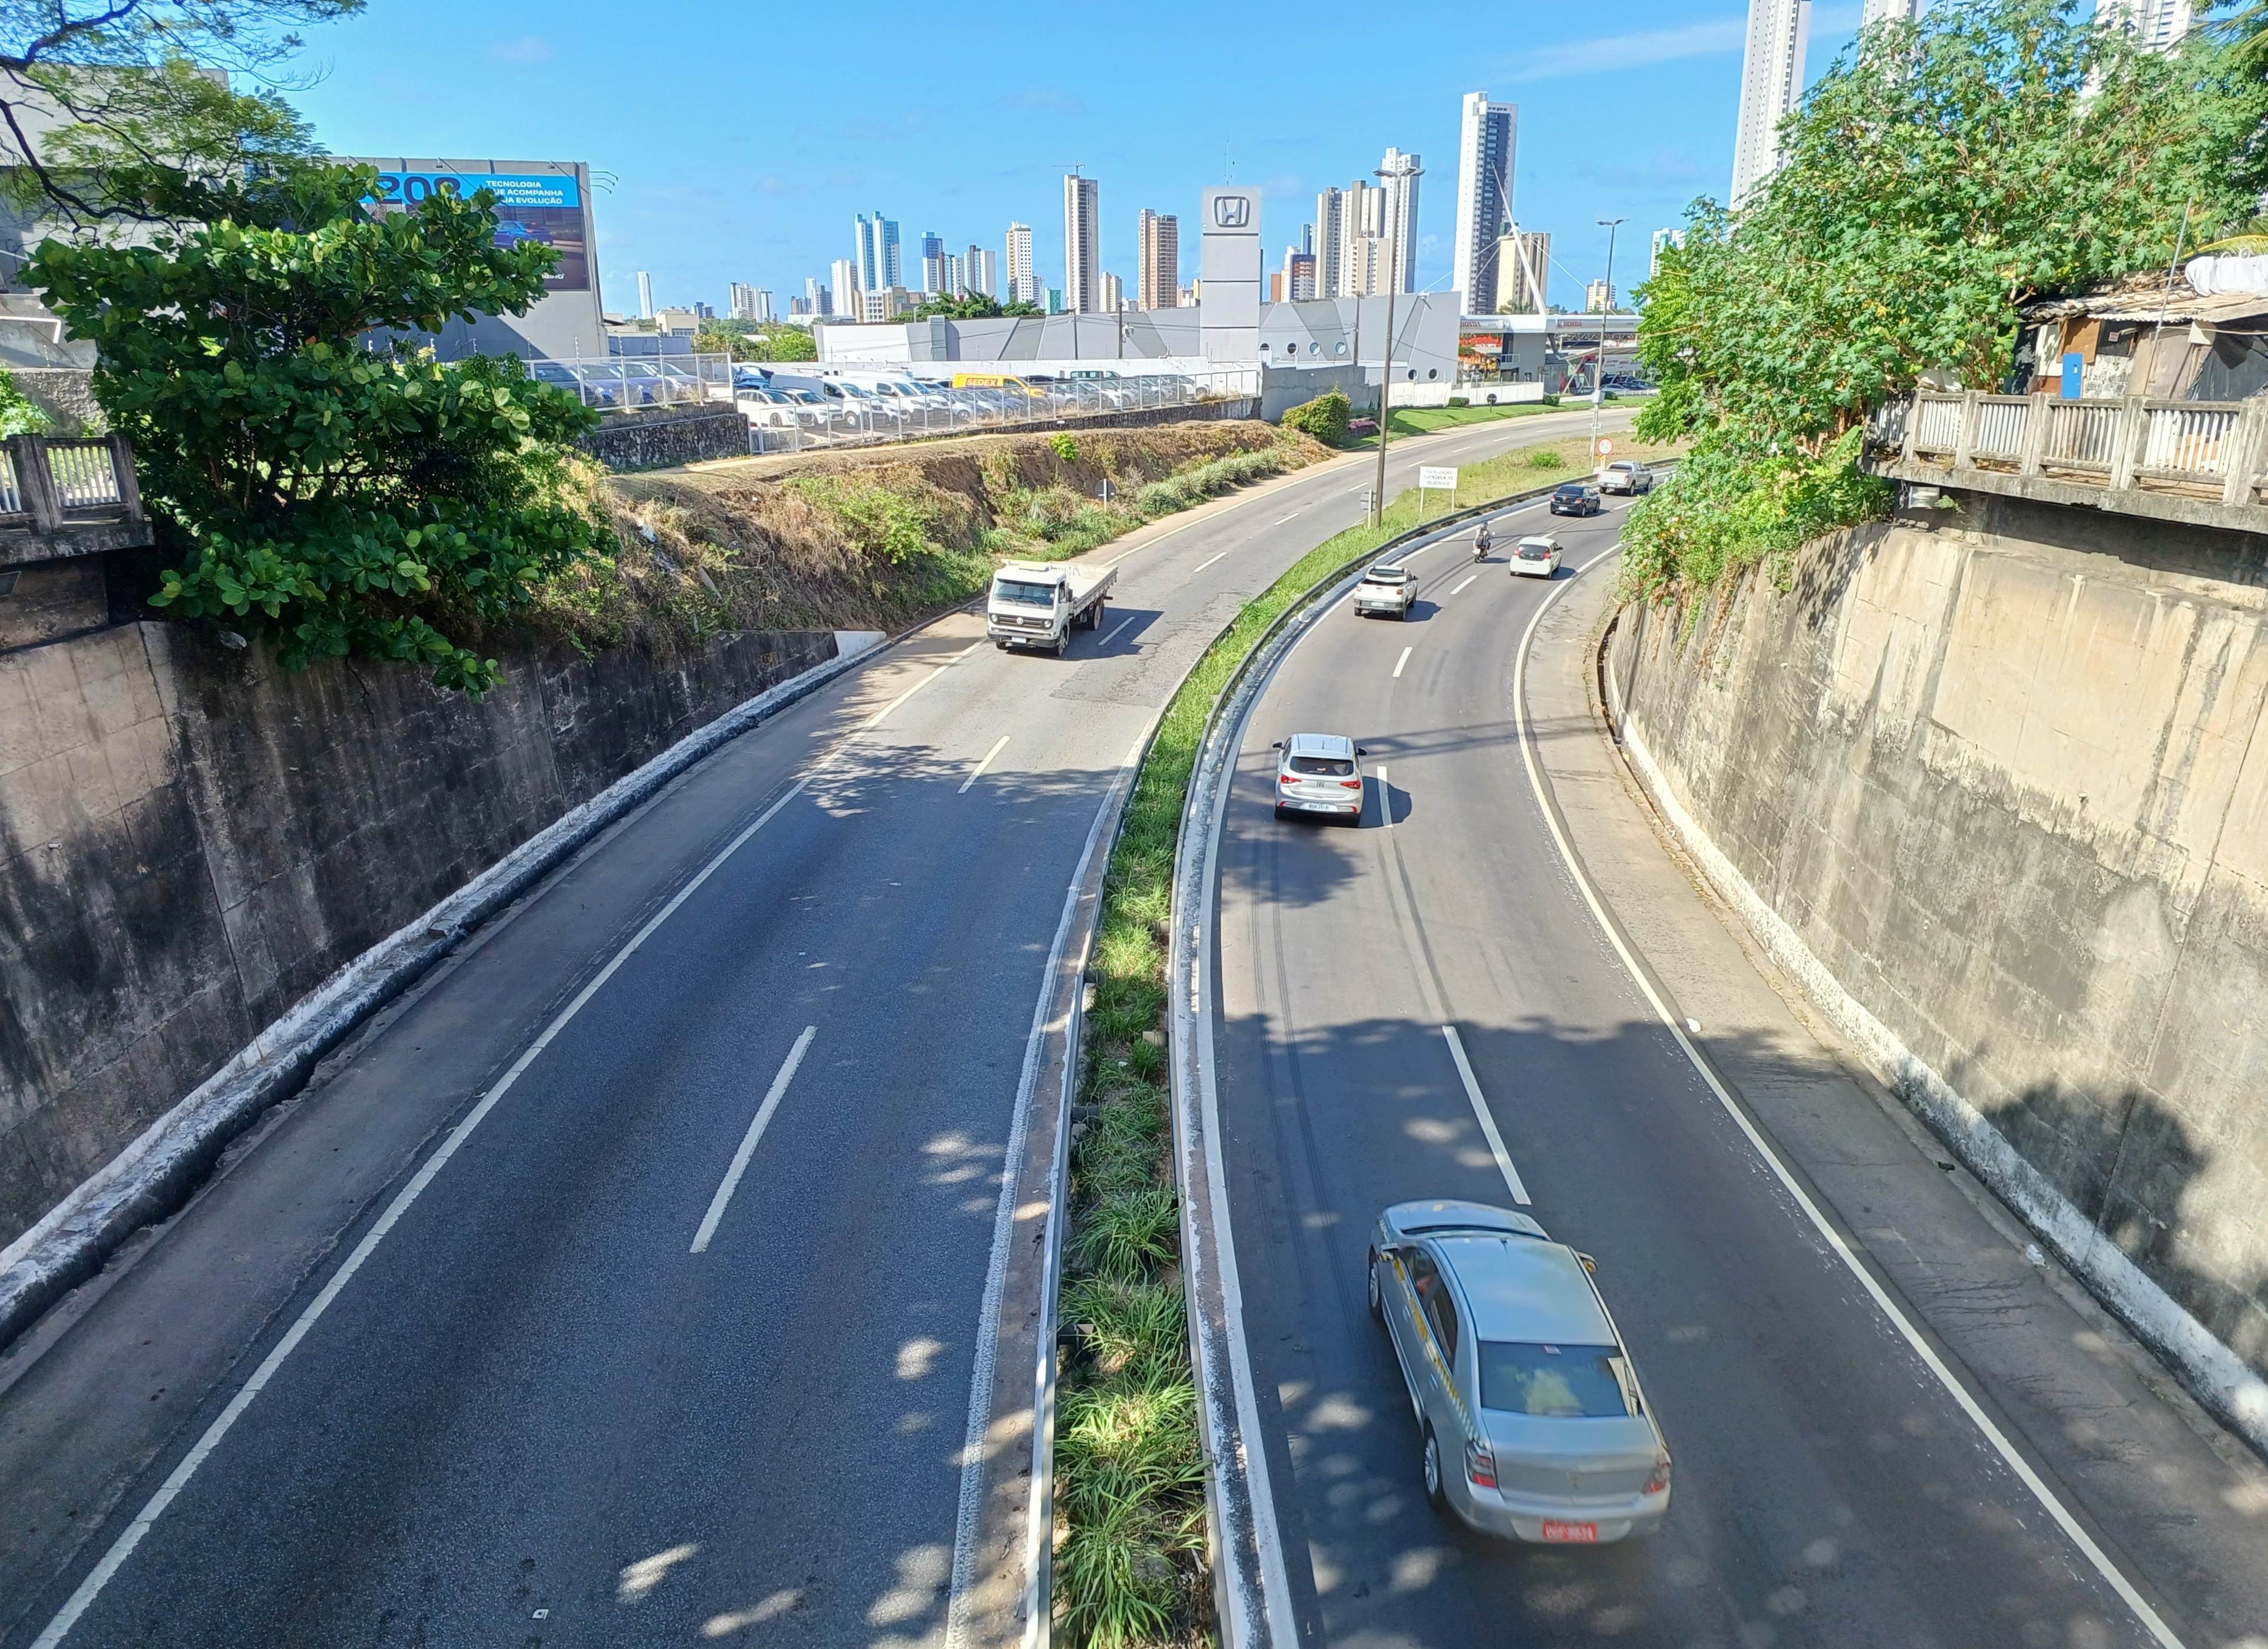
(1385, 366)
(1599, 366)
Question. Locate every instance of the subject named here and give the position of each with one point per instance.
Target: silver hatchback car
(1318, 775)
(1533, 1426)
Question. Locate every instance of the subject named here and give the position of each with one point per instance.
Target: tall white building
(1888, 12)
(1771, 85)
(1082, 245)
(1400, 225)
(1484, 150)
(1661, 237)
(818, 297)
(1114, 294)
(846, 289)
(880, 261)
(2153, 24)
(1331, 242)
(645, 296)
(1523, 283)
(751, 303)
(1023, 279)
(982, 271)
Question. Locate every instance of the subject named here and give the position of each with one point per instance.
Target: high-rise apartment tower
(645, 296)
(1023, 279)
(1158, 274)
(1400, 174)
(1484, 150)
(1082, 245)
(1523, 270)
(1331, 242)
(1771, 85)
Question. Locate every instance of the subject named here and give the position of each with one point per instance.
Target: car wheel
(1437, 1488)
(1377, 1291)
(1280, 814)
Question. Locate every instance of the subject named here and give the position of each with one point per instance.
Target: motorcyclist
(1480, 543)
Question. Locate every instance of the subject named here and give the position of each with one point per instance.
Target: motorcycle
(1481, 545)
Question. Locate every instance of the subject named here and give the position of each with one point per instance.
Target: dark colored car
(1577, 497)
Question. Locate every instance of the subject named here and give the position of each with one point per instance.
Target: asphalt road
(1827, 1489)
(544, 1410)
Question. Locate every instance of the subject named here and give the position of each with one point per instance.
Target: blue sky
(737, 144)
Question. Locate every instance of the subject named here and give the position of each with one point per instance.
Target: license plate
(1553, 1530)
(1314, 806)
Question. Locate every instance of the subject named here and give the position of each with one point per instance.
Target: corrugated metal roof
(2149, 297)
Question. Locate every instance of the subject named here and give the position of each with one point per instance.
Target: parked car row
(831, 406)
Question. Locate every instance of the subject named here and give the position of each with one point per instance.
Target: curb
(1251, 1591)
(153, 1177)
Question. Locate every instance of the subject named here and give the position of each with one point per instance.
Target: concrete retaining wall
(664, 436)
(1993, 789)
(191, 840)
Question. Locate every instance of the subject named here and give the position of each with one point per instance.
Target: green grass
(1130, 1475)
(1421, 420)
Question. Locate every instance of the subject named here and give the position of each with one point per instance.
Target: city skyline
(765, 198)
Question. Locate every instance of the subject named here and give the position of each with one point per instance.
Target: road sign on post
(1436, 478)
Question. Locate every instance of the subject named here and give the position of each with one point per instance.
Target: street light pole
(1599, 365)
(1386, 365)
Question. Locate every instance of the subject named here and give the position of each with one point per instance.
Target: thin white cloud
(528, 48)
(1632, 51)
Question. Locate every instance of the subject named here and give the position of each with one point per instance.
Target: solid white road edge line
(122, 1548)
(732, 1180)
(1403, 660)
(1481, 1110)
(978, 772)
(2047, 1498)
(1207, 562)
(967, 1520)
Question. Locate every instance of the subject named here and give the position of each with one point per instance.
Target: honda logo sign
(1232, 211)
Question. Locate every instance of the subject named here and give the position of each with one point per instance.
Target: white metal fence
(789, 411)
(2203, 448)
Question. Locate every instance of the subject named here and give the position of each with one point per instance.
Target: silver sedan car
(1533, 1423)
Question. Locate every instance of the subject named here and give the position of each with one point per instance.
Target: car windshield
(1028, 594)
(1323, 766)
(1560, 1381)
(1573, 489)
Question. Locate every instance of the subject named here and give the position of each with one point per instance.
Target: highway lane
(1828, 1489)
(534, 1413)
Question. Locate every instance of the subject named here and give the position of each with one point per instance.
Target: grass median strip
(1130, 1475)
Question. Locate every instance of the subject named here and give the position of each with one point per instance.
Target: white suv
(1623, 476)
(1318, 775)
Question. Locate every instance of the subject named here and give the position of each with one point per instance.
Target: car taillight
(1289, 779)
(1350, 783)
(1480, 1465)
(1660, 1480)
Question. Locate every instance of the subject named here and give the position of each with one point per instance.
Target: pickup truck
(1386, 589)
(1035, 603)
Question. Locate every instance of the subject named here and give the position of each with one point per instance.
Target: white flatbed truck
(1036, 603)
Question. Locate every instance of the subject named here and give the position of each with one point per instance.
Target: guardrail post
(2244, 450)
(2126, 451)
(2033, 449)
(1964, 444)
(36, 482)
(122, 467)
(1913, 428)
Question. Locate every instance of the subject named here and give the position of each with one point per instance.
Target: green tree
(1325, 417)
(1939, 176)
(971, 306)
(755, 341)
(326, 493)
(93, 96)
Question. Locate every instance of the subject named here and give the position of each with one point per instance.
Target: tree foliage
(96, 95)
(755, 341)
(968, 306)
(1325, 417)
(328, 493)
(1939, 176)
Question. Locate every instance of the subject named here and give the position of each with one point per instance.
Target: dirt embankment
(877, 539)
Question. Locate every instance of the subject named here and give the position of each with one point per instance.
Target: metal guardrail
(2210, 450)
